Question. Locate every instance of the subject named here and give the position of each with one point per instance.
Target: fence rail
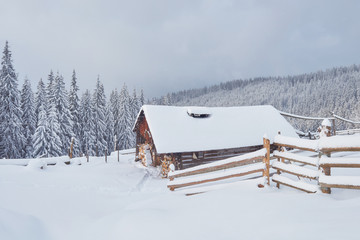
(316, 168)
(250, 163)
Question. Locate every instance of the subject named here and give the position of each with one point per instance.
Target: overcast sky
(167, 45)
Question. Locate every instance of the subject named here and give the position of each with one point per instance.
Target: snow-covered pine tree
(41, 138)
(115, 109)
(11, 131)
(99, 106)
(134, 109)
(87, 124)
(109, 133)
(28, 117)
(74, 107)
(141, 98)
(40, 98)
(55, 147)
(50, 88)
(124, 120)
(63, 113)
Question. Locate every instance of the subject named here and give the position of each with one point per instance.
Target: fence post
(325, 132)
(106, 156)
(266, 160)
(71, 148)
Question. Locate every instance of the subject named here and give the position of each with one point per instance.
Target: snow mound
(75, 161)
(14, 225)
(60, 162)
(37, 164)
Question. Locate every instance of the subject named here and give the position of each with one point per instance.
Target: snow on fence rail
(243, 165)
(322, 163)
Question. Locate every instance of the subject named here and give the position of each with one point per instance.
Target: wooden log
(294, 173)
(71, 148)
(301, 189)
(294, 147)
(325, 185)
(340, 165)
(343, 149)
(174, 186)
(294, 160)
(266, 172)
(219, 167)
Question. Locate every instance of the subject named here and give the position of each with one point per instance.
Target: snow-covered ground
(99, 200)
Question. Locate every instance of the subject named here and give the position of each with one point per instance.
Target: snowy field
(127, 201)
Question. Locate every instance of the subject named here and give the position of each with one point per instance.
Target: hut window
(198, 155)
(198, 112)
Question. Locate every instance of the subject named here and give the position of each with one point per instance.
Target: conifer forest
(46, 122)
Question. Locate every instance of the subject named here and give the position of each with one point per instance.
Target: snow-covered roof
(174, 130)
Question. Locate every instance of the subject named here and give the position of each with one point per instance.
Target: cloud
(166, 46)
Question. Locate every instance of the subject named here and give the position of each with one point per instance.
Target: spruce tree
(124, 120)
(98, 117)
(141, 98)
(60, 97)
(74, 107)
(109, 132)
(11, 130)
(28, 117)
(115, 109)
(41, 136)
(87, 124)
(40, 99)
(134, 109)
(55, 147)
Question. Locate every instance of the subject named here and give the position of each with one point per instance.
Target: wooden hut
(189, 136)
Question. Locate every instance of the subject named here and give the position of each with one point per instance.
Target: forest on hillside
(314, 94)
(46, 122)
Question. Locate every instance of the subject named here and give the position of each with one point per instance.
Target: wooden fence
(317, 166)
(255, 162)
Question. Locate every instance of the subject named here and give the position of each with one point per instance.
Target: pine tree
(55, 147)
(28, 117)
(109, 132)
(134, 109)
(74, 107)
(40, 98)
(41, 136)
(11, 131)
(62, 112)
(99, 105)
(115, 109)
(124, 120)
(142, 98)
(87, 124)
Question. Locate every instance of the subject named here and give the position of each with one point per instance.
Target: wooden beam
(293, 173)
(172, 187)
(294, 160)
(325, 185)
(340, 165)
(220, 167)
(301, 189)
(295, 147)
